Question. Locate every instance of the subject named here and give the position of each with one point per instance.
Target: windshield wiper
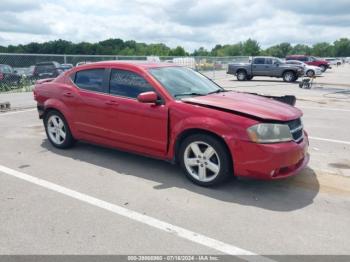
(190, 94)
(217, 91)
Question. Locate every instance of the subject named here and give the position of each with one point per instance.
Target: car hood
(247, 104)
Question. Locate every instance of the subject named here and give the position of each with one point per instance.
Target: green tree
(251, 48)
(322, 49)
(342, 47)
(228, 50)
(178, 51)
(201, 52)
(281, 50)
(300, 49)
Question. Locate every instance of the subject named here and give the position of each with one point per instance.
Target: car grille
(296, 128)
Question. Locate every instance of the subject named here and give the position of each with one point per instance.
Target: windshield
(182, 81)
(278, 61)
(45, 68)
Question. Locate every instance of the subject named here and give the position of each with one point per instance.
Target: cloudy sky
(189, 23)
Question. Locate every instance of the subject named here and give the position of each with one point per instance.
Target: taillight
(1, 76)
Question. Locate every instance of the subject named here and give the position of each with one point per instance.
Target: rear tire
(250, 77)
(57, 130)
(205, 160)
(242, 75)
(323, 68)
(289, 77)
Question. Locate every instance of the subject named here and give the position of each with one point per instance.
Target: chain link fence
(18, 72)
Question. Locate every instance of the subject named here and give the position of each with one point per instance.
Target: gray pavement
(306, 214)
(18, 100)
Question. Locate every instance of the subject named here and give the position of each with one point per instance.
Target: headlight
(269, 133)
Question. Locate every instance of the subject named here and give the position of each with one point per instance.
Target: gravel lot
(121, 193)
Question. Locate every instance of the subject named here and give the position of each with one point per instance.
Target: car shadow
(280, 195)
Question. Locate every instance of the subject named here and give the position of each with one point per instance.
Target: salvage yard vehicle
(310, 71)
(311, 60)
(265, 66)
(333, 61)
(66, 67)
(47, 70)
(8, 75)
(176, 114)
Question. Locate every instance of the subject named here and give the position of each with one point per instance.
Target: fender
(208, 124)
(241, 69)
(289, 69)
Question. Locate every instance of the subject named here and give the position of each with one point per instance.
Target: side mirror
(148, 97)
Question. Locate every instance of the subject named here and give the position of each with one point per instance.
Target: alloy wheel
(202, 161)
(289, 77)
(56, 129)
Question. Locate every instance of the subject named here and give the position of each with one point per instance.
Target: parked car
(333, 61)
(265, 66)
(8, 75)
(47, 70)
(311, 60)
(25, 72)
(83, 63)
(176, 114)
(309, 70)
(66, 67)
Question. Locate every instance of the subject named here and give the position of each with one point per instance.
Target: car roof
(47, 63)
(139, 64)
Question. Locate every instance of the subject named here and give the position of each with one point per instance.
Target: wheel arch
(55, 105)
(242, 69)
(191, 131)
(289, 70)
(310, 70)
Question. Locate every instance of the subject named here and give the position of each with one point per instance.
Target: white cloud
(190, 23)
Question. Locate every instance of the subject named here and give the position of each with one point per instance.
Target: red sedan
(176, 114)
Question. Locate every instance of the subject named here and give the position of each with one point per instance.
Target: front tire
(205, 160)
(289, 77)
(242, 75)
(250, 77)
(323, 68)
(310, 73)
(57, 130)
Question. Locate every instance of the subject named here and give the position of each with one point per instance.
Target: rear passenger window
(128, 84)
(259, 61)
(91, 79)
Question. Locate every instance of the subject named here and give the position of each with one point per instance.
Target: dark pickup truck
(265, 66)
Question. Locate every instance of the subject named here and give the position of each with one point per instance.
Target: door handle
(68, 94)
(112, 103)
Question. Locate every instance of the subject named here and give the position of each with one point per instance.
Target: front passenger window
(127, 84)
